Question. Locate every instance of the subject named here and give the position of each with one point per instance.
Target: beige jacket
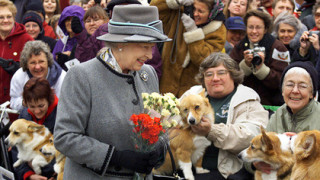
(246, 115)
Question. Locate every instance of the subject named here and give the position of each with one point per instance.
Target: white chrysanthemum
(165, 112)
(175, 111)
(165, 124)
(174, 123)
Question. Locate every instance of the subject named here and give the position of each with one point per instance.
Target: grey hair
(215, 60)
(286, 18)
(34, 48)
(297, 71)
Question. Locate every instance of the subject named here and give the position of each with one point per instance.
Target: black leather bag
(175, 175)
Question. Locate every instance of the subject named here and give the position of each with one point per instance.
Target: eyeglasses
(91, 20)
(219, 73)
(2, 18)
(317, 15)
(257, 27)
(301, 86)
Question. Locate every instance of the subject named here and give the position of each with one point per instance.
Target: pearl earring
(120, 49)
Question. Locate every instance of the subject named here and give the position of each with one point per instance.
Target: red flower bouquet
(147, 131)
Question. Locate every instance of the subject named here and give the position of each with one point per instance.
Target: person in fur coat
(194, 38)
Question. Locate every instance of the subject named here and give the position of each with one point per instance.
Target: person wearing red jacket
(13, 36)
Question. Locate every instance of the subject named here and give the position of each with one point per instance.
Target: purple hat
(235, 23)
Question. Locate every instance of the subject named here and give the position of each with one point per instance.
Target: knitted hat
(235, 23)
(112, 3)
(309, 67)
(36, 5)
(135, 23)
(34, 17)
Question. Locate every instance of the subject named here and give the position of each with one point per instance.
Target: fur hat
(134, 23)
(34, 17)
(309, 67)
(113, 3)
(36, 5)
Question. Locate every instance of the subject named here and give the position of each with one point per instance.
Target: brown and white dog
(186, 146)
(49, 149)
(306, 149)
(273, 149)
(29, 137)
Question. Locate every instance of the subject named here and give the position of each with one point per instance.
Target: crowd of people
(79, 68)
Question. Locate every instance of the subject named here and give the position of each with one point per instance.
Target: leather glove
(76, 25)
(61, 59)
(188, 22)
(185, 2)
(137, 161)
(9, 65)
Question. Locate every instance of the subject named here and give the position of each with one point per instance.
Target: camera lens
(256, 61)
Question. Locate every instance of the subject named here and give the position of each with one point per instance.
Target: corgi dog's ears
(308, 145)
(265, 140)
(34, 127)
(203, 93)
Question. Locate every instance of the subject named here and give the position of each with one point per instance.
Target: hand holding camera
(307, 39)
(255, 56)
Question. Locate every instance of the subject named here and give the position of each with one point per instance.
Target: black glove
(137, 161)
(76, 25)
(9, 65)
(61, 59)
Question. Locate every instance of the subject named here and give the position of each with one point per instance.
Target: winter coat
(10, 48)
(24, 171)
(69, 11)
(245, 117)
(86, 42)
(265, 81)
(181, 64)
(95, 105)
(306, 119)
(48, 30)
(50, 41)
(20, 78)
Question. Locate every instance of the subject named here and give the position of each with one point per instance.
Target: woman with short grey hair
(238, 116)
(288, 29)
(35, 61)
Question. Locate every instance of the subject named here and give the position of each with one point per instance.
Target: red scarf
(52, 106)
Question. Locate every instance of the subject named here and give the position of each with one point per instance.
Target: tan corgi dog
(306, 149)
(29, 137)
(271, 148)
(186, 146)
(49, 149)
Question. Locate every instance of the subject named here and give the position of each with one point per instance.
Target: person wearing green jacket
(299, 84)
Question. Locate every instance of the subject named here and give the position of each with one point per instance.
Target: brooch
(144, 75)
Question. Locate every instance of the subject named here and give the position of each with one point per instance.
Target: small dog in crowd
(49, 149)
(306, 149)
(273, 149)
(187, 147)
(29, 137)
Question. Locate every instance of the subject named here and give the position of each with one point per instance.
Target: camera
(256, 61)
(314, 32)
(188, 10)
(97, 1)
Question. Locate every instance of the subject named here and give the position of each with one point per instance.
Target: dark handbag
(175, 175)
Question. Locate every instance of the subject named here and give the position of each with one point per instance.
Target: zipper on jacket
(294, 124)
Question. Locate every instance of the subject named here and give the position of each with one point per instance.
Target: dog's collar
(286, 173)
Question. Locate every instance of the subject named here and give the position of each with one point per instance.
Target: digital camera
(314, 32)
(256, 61)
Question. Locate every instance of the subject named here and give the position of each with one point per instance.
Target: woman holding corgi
(301, 110)
(99, 96)
(41, 103)
(238, 117)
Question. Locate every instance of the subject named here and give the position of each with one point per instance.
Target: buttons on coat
(129, 80)
(135, 101)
